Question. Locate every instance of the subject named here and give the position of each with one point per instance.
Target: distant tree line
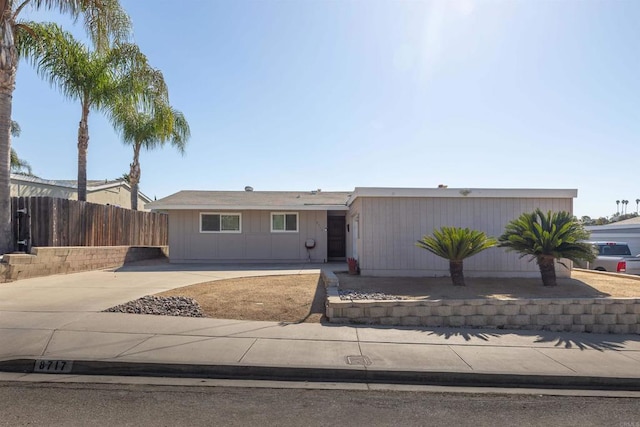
(603, 220)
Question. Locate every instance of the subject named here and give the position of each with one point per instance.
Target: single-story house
(376, 226)
(105, 192)
(622, 231)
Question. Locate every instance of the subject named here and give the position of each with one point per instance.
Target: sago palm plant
(456, 244)
(546, 238)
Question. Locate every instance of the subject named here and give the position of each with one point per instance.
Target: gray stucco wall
(390, 226)
(256, 242)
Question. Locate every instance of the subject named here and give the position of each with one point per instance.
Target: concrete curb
(362, 375)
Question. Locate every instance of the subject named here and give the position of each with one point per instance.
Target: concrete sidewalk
(59, 319)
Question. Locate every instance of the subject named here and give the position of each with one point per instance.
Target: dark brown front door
(336, 237)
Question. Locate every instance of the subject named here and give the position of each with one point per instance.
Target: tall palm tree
(625, 203)
(104, 20)
(456, 244)
(546, 238)
(637, 204)
(149, 128)
(617, 207)
(94, 78)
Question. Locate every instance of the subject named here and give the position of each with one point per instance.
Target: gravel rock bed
(162, 306)
(350, 294)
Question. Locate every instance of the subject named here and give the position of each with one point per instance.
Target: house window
(284, 222)
(220, 223)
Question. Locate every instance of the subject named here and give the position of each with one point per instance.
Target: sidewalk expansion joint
(255, 340)
(555, 361)
(251, 330)
(122, 353)
(464, 361)
(46, 346)
(171, 346)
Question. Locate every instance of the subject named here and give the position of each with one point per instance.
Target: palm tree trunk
(457, 276)
(8, 67)
(83, 146)
(547, 270)
(134, 176)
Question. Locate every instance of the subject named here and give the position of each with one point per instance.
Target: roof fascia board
(463, 193)
(612, 227)
(182, 207)
(33, 180)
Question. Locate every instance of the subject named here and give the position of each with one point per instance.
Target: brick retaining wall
(597, 315)
(44, 261)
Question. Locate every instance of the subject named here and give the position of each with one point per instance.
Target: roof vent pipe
(248, 188)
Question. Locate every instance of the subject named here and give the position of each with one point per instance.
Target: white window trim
(297, 230)
(238, 214)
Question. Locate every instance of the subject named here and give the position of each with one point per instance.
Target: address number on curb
(53, 366)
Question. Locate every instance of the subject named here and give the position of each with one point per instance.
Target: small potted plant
(354, 268)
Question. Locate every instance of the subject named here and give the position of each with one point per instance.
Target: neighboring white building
(377, 226)
(622, 231)
(104, 192)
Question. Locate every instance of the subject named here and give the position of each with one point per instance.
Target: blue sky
(306, 94)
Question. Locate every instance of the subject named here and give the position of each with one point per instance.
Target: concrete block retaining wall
(44, 261)
(597, 315)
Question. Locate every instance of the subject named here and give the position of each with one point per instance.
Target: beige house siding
(116, 195)
(390, 226)
(255, 242)
(21, 189)
(119, 196)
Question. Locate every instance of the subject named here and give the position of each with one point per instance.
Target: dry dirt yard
(583, 284)
(301, 298)
(291, 298)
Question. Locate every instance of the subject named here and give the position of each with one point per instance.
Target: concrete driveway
(94, 291)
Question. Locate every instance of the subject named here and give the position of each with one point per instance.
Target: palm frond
(105, 21)
(556, 234)
(455, 243)
(18, 165)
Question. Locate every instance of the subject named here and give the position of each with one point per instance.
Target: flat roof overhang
(511, 193)
(214, 207)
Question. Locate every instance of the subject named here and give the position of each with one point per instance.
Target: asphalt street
(49, 404)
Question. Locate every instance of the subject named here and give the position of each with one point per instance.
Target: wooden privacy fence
(49, 221)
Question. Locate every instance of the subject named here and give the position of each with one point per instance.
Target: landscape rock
(350, 294)
(162, 306)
